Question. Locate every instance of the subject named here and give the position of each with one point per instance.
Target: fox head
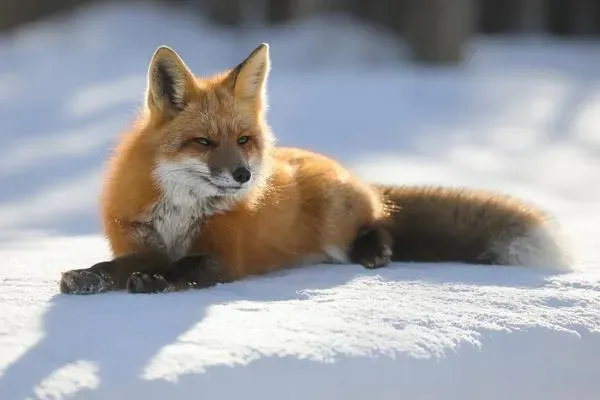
(210, 134)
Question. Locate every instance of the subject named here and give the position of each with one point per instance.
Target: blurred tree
(498, 16)
(282, 11)
(511, 16)
(531, 15)
(580, 17)
(226, 12)
(437, 31)
(16, 12)
(384, 13)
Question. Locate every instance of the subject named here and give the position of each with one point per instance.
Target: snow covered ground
(522, 116)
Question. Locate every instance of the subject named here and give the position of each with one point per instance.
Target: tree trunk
(532, 16)
(282, 11)
(438, 30)
(16, 12)
(226, 12)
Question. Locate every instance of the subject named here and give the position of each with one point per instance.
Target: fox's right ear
(249, 78)
(170, 83)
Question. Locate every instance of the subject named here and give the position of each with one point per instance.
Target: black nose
(241, 175)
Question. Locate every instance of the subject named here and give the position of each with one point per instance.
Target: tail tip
(544, 247)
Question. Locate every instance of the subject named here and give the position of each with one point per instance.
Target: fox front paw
(141, 282)
(82, 281)
(199, 271)
(372, 248)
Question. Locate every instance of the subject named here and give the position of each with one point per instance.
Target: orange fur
(168, 189)
(311, 203)
(302, 207)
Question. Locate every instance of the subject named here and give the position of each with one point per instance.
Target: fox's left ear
(249, 78)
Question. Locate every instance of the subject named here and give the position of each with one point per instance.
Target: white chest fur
(177, 216)
(176, 221)
(185, 200)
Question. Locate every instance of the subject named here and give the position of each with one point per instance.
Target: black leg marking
(372, 248)
(191, 272)
(110, 275)
(143, 282)
(83, 281)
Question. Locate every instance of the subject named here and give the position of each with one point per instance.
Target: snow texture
(522, 116)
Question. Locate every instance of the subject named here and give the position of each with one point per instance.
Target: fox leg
(190, 272)
(111, 275)
(371, 248)
(363, 236)
(142, 272)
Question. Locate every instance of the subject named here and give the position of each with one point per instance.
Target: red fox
(197, 193)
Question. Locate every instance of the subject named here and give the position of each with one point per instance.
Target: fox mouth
(222, 188)
(228, 188)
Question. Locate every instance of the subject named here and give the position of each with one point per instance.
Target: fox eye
(202, 141)
(243, 139)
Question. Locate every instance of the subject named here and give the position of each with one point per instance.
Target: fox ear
(250, 77)
(170, 82)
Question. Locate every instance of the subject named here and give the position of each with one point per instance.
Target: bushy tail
(439, 224)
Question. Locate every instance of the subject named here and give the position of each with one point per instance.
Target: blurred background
(436, 30)
(485, 93)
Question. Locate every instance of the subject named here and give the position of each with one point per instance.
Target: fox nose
(241, 175)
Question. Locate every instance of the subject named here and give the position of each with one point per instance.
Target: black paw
(372, 248)
(141, 282)
(82, 282)
(198, 271)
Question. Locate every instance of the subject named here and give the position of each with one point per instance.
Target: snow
(520, 117)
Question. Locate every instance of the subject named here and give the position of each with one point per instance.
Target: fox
(197, 193)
